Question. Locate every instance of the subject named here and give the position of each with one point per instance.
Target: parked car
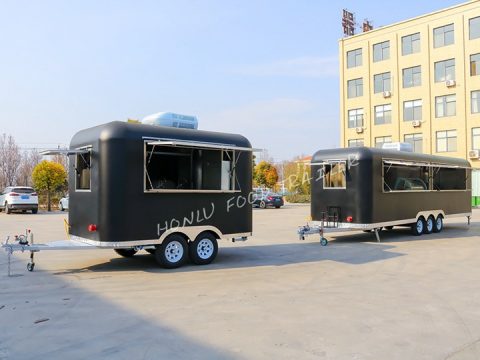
(264, 199)
(63, 203)
(19, 198)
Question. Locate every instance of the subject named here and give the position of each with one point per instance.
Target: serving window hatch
(188, 166)
(422, 176)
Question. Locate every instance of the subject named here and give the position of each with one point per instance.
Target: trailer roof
(366, 153)
(118, 130)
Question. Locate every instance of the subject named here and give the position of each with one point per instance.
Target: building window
(475, 64)
(416, 140)
(445, 106)
(383, 114)
(447, 141)
(355, 143)
(443, 36)
(381, 82)
(476, 138)
(381, 51)
(379, 141)
(354, 58)
(475, 28)
(355, 118)
(412, 76)
(411, 44)
(475, 100)
(445, 70)
(412, 110)
(355, 88)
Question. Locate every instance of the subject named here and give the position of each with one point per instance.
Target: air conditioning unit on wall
(450, 83)
(387, 94)
(416, 123)
(473, 154)
(359, 130)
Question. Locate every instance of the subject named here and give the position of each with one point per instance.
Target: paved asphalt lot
(273, 297)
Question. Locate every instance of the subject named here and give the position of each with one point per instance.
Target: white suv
(19, 198)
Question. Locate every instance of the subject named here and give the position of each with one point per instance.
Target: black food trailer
(172, 192)
(370, 189)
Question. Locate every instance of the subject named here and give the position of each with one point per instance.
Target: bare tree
(10, 159)
(29, 160)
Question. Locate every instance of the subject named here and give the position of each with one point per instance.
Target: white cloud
(306, 66)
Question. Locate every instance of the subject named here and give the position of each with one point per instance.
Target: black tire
(34, 211)
(126, 253)
(429, 225)
(172, 253)
(438, 225)
(262, 205)
(418, 226)
(204, 249)
(323, 241)
(7, 209)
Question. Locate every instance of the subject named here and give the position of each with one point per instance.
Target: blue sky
(265, 69)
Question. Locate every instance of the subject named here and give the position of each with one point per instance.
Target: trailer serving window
(334, 175)
(82, 171)
(449, 178)
(398, 176)
(188, 166)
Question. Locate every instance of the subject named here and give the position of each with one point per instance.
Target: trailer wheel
(438, 225)
(323, 241)
(30, 266)
(204, 249)
(418, 226)
(262, 205)
(429, 225)
(7, 209)
(172, 253)
(127, 253)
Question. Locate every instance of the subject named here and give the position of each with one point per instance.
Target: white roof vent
(400, 146)
(172, 120)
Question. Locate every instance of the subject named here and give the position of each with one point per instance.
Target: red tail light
(14, 194)
(349, 219)
(269, 198)
(92, 227)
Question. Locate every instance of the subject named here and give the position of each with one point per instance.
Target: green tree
(49, 176)
(266, 174)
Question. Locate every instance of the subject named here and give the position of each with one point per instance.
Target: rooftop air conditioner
(473, 154)
(387, 94)
(416, 123)
(359, 129)
(450, 83)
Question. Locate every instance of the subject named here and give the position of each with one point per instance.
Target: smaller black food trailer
(370, 189)
(172, 192)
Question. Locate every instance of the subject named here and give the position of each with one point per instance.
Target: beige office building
(416, 81)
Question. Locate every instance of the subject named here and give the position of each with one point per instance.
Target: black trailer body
(133, 185)
(370, 188)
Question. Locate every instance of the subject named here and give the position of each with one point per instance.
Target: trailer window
(405, 178)
(334, 175)
(449, 178)
(82, 171)
(188, 169)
